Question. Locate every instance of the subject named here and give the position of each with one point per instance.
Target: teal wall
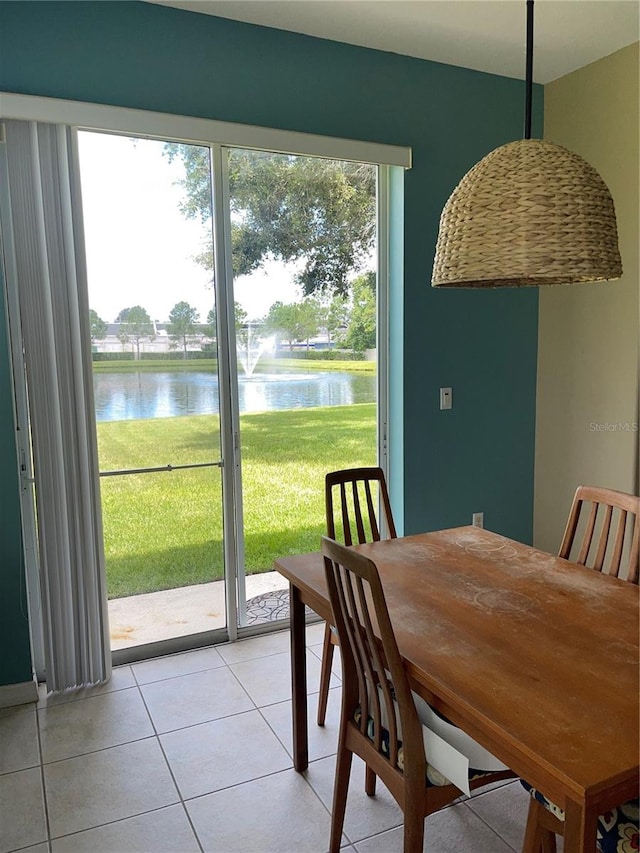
(479, 456)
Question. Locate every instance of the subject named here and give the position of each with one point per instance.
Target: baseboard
(18, 694)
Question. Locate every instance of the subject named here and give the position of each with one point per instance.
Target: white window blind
(47, 233)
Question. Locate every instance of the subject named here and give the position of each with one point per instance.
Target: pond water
(133, 396)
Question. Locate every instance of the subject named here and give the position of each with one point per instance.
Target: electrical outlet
(477, 519)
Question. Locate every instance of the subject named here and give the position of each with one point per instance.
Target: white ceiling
(488, 35)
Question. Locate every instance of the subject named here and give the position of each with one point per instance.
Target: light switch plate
(446, 398)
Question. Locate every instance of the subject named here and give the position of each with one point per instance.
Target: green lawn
(318, 364)
(164, 530)
(149, 365)
(155, 365)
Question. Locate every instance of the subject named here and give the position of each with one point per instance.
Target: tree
(240, 316)
(361, 331)
(332, 315)
(211, 328)
(97, 325)
(298, 321)
(288, 208)
(280, 321)
(308, 317)
(182, 323)
(135, 324)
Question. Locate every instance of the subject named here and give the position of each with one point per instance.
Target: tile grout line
(107, 823)
(493, 829)
(182, 800)
(101, 748)
(155, 736)
(176, 675)
(257, 708)
(115, 820)
(274, 733)
(70, 699)
(45, 801)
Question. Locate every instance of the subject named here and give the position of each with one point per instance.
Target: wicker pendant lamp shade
(529, 213)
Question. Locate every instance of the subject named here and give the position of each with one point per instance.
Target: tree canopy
(182, 323)
(240, 316)
(297, 321)
(135, 324)
(361, 331)
(333, 315)
(321, 212)
(97, 325)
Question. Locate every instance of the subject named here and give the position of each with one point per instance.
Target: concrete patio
(188, 610)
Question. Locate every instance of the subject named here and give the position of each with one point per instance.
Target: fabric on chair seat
(433, 721)
(434, 776)
(452, 753)
(618, 829)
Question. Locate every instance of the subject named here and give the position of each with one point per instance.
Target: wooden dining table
(532, 655)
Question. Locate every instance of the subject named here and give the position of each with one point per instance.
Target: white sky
(140, 248)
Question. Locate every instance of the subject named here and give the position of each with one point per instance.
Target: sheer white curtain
(47, 231)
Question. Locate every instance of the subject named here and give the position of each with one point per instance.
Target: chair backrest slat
(374, 680)
(588, 535)
(357, 512)
(363, 508)
(622, 512)
(604, 538)
(354, 642)
(616, 557)
(368, 702)
(346, 523)
(375, 532)
(382, 682)
(363, 505)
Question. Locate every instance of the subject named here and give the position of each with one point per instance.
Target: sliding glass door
(303, 240)
(155, 376)
(234, 303)
(233, 316)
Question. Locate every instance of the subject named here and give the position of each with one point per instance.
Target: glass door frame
(227, 370)
(9, 274)
(230, 426)
(219, 136)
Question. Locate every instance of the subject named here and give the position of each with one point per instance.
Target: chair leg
(340, 790)
(413, 825)
(532, 838)
(537, 839)
(325, 674)
(369, 782)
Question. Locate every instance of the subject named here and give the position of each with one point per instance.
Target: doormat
(269, 606)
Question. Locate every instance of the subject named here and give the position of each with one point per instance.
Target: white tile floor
(193, 753)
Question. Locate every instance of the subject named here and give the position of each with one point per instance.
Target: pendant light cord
(529, 71)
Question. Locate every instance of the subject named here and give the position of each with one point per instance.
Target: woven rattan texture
(530, 212)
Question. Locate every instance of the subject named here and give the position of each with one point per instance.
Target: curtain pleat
(46, 214)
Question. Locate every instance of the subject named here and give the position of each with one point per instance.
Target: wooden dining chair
(618, 829)
(379, 721)
(596, 549)
(357, 510)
